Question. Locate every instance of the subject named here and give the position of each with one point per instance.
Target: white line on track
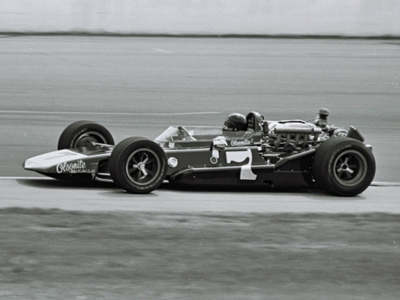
(107, 113)
(162, 50)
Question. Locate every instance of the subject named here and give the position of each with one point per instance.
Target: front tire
(83, 134)
(344, 166)
(138, 165)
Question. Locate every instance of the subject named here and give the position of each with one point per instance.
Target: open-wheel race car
(247, 151)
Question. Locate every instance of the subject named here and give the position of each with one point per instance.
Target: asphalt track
(48, 194)
(139, 86)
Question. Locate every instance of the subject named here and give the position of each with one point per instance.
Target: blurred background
(203, 17)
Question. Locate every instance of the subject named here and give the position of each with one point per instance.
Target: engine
(291, 135)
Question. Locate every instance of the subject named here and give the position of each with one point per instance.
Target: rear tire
(344, 166)
(138, 165)
(82, 134)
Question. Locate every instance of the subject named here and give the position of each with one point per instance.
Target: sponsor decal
(246, 172)
(240, 143)
(74, 167)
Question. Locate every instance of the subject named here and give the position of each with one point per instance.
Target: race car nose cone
(29, 164)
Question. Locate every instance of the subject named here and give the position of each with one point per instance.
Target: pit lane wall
(203, 17)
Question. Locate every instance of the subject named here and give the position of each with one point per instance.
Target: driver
(235, 122)
(235, 128)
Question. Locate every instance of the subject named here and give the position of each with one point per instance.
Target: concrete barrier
(203, 17)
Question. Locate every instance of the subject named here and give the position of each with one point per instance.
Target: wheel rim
(143, 167)
(350, 168)
(88, 138)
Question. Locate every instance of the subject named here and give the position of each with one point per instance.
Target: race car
(247, 151)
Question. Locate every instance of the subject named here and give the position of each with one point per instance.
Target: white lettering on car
(75, 167)
(246, 172)
(240, 143)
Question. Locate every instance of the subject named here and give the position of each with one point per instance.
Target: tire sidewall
(326, 158)
(118, 161)
(74, 131)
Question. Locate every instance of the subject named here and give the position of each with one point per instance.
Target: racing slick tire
(82, 134)
(343, 166)
(138, 165)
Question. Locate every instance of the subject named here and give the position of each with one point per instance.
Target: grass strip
(47, 254)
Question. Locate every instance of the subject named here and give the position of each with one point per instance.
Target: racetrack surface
(100, 196)
(140, 86)
(63, 240)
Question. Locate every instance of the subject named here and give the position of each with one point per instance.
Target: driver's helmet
(235, 122)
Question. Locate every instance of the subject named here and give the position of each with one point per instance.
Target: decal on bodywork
(246, 173)
(73, 167)
(235, 143)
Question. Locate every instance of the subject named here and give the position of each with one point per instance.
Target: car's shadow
(49, 183)
(314, 193)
